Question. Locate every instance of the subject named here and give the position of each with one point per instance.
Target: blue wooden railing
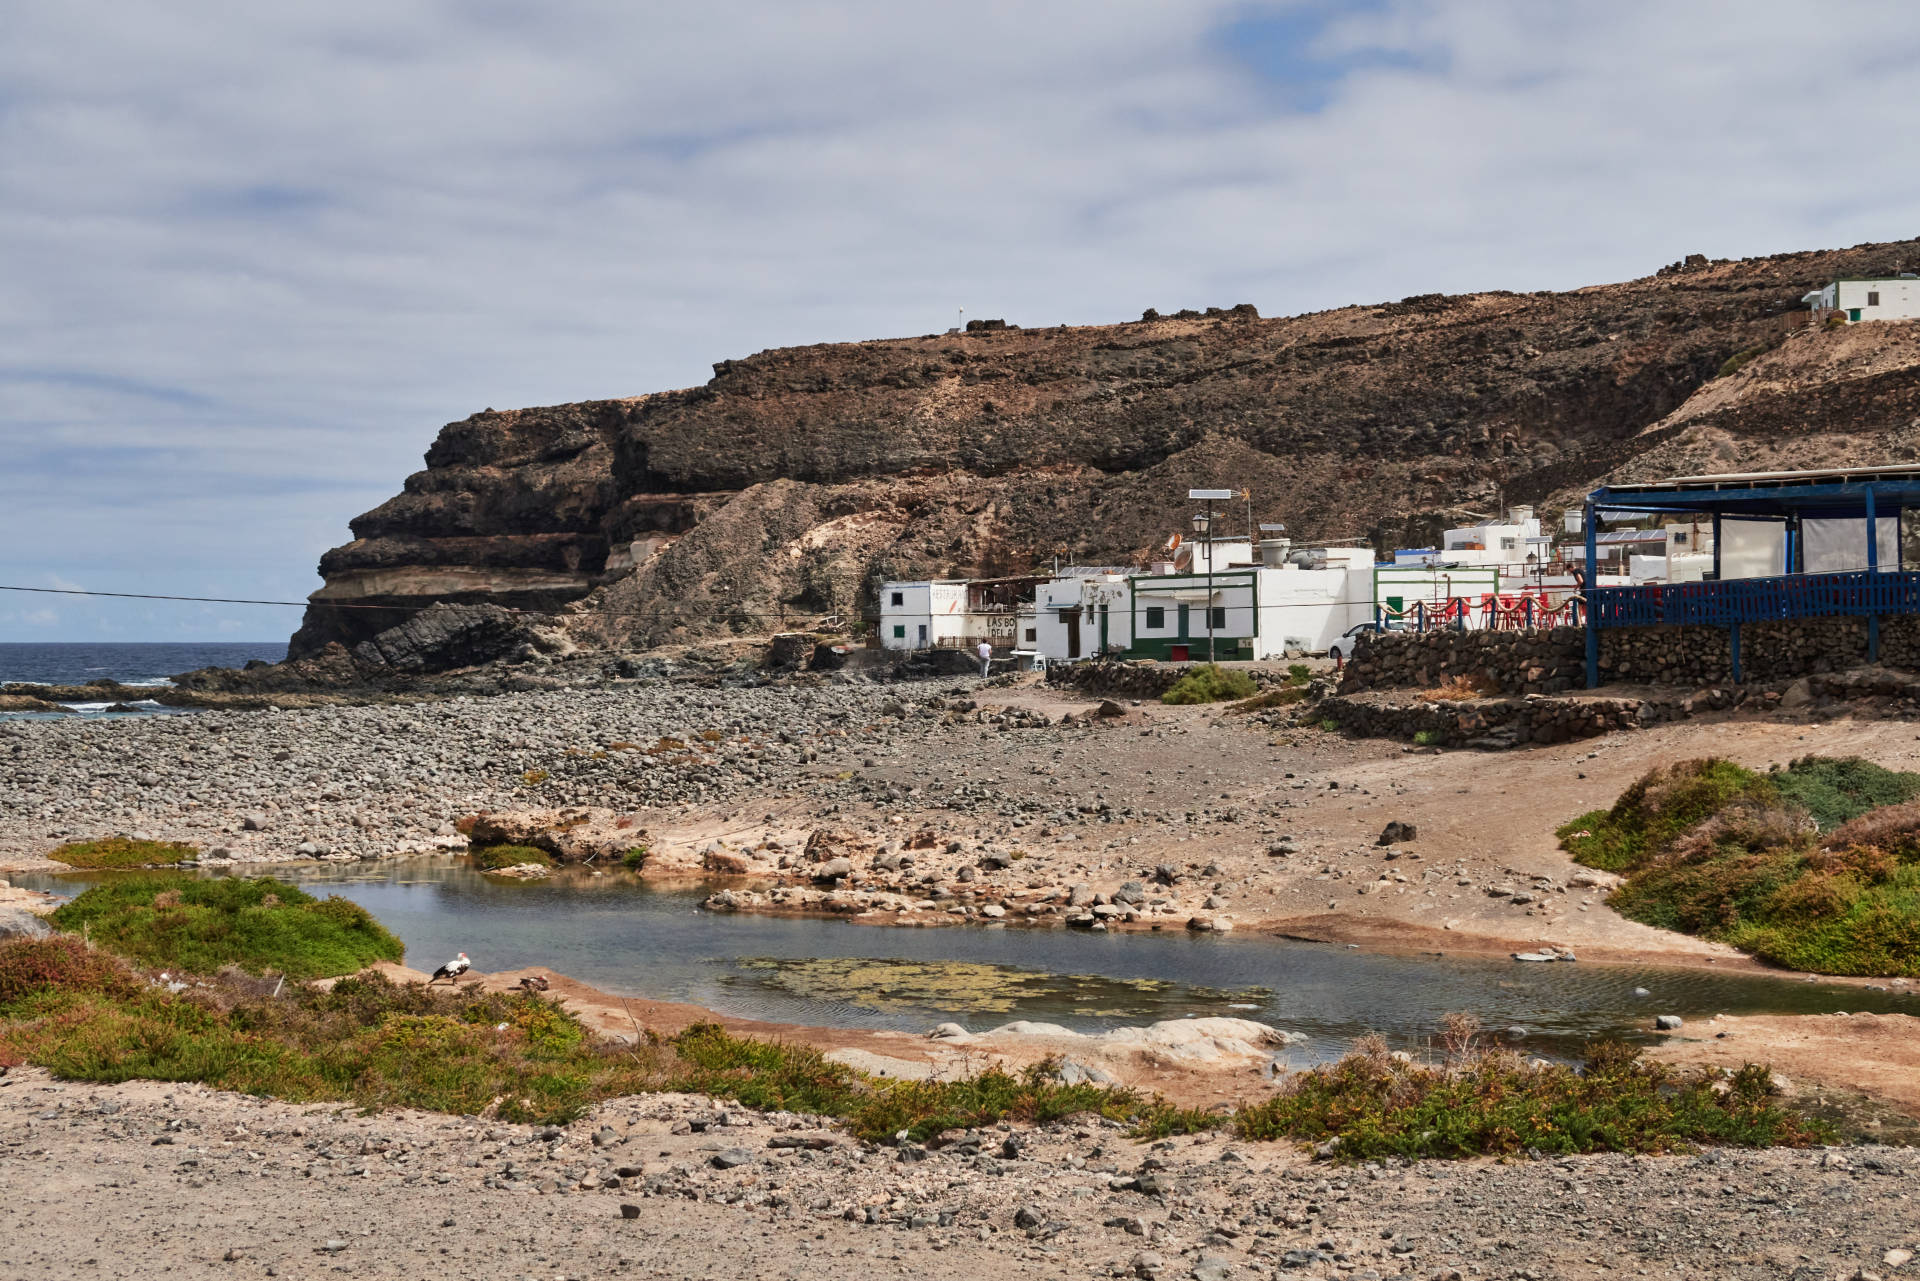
(1757, 600)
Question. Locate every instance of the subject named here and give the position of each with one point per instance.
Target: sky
(253, 255)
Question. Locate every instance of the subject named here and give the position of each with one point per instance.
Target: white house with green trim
(1879, 298)
(1297, 604)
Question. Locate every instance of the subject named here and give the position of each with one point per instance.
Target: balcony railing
(1757, 600)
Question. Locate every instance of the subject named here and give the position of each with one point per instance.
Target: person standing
(986, 658)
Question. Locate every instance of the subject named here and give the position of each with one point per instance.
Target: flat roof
(1835, 490)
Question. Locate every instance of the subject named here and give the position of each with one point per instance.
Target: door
(1103, 629)
(923, 636)
(1183, 623)
(1071, 617)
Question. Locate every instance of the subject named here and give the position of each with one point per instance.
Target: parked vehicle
(1343, 645)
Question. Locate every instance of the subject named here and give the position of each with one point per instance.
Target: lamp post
(1202, 527)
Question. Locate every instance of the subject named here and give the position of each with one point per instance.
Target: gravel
(466, 1196)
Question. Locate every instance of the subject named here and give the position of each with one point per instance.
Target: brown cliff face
(797, 479)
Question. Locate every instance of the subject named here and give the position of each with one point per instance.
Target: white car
(1342, 646)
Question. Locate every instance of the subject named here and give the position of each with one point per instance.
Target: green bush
(491, 858)
(635, 858)
(1656, 809)
(1836, 790)
(1298, 674)
(1426, 738)
(119, 852)
(1816, 866)
(1494, 1104)
(1210, 683)
(183, 922)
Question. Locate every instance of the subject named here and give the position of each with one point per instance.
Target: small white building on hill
(1885, 298)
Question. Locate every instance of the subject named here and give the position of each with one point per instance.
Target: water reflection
(620, 934)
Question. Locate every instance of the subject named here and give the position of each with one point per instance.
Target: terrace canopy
(1791, 544)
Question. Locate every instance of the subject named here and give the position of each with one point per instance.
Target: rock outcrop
(795, 480)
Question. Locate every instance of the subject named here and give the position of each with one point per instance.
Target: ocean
(77, 662)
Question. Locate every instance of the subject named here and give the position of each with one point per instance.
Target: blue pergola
(1862, 494)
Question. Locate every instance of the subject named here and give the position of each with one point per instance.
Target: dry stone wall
(1536, 662)
(1552, 662)
(1492, 722)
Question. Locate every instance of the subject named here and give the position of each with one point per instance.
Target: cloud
(257, 254)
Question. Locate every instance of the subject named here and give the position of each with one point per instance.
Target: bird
(535, 983)
(452, 969)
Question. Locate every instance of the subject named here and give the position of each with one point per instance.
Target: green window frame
(1156, 617)
(1219, 618)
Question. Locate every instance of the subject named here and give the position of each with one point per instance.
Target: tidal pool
(624, 936)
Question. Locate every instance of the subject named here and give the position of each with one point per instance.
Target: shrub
(1714, 850)
(32, 967)
(1210, 683)
(635, 858)
(1835, 791)
(1426, 738)
(1329, 725)
(535, 777)
(118, 851)
(183, 922)
(491, 858)
(1299, 674)
(1494, 1103)
(1654, 810)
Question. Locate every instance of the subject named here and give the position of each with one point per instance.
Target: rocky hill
(796, 480)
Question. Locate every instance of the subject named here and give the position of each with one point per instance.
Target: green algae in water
(971, 987)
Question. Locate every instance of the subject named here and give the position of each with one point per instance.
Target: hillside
(797, 479)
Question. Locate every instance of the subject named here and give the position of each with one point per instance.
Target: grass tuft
(119, 852)
(1210, 683)
(491, 858)
(184, 922)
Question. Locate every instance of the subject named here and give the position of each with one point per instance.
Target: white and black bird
(452, 969)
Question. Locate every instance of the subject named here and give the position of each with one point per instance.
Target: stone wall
(1536, 662)
(1143, 680)
(1554, 661)
(1494, 723)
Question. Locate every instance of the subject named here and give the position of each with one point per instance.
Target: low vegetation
(86, 1015)
(183, 922)
(120, 852)
(1210, 683)
(1458, 689)
(1371, 1105)
(491, 858)
(1816, 866)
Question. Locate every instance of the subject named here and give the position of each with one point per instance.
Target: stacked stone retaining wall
(1142, 680)
(1554, 661)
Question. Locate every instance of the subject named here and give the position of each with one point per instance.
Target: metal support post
(1873, 576)
(1733, 650)
(1593, 617)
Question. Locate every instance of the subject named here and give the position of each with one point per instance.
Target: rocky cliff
(796, 480)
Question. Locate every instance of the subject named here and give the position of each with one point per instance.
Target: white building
(1292, 601)
(1885, 298)
(956, 613)
(922, 615)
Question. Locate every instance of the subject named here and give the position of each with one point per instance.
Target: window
(899, 631)
(1679, 538)
(1873, 297)
(1156, 616)
(1507, 545)
(1030, 636)
(1219, 617)
(899, 598)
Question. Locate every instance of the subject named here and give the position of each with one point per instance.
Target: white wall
(1897, 299)
(1087, 599)
(926, 614)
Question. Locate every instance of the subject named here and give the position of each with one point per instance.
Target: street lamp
(1202, 526)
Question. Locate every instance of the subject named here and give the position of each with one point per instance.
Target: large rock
(19, 923)
(443, 637)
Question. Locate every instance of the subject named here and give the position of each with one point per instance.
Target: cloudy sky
(253, 255)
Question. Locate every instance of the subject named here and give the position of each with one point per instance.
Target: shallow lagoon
(622, 935)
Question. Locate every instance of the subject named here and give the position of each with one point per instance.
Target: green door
(1183, 622)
